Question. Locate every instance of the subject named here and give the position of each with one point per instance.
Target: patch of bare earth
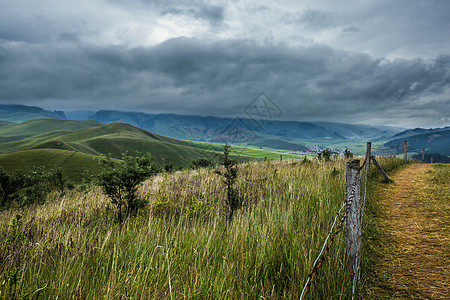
(416, 252)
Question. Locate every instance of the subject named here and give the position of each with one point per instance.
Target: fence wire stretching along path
(352, 211)
(336, 229)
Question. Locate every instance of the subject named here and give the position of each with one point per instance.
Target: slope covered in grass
(95, 138)
(19, 131)
(73, 163)
(180, 245)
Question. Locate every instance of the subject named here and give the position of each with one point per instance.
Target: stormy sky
(358, 61)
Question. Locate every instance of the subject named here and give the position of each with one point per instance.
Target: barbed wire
(343, 214)
(332, 234)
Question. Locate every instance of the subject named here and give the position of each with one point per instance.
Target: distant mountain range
(282, 135)
(285, 135)
(20, 113)
(273, 134)
(436, 142)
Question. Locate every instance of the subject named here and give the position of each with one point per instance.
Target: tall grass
(181, 246)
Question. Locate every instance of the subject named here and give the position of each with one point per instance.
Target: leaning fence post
(406, 151)
(423, 155)
(353, 222)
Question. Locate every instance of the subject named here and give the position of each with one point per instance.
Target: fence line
(353, 241)
(332, 235)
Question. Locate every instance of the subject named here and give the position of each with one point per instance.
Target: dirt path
(416, 249)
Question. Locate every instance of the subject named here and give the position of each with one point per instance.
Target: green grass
(91, 138)
(73, 163)
(180, 245)
(251, 152)
(95, 138)
(36, 127)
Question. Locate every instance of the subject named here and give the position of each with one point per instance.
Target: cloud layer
(213, 58)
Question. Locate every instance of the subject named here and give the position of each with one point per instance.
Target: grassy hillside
(95, 138)
(20, 131)
(73, 163)
(180, 245)
(89, 138)
(4, 124)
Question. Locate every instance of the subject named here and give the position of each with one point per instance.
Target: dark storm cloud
(221, 77)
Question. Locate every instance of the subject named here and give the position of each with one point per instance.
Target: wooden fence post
(406, 151)
(431, 161)
(423, 155)
(380, 169)
(353, 221)
(368, 154)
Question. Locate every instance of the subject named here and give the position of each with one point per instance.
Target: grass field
(180, 245)
(74, 164)
(251, 152)
(95, 138)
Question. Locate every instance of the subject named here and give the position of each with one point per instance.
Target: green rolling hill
(74, 145)
(95, 138)
(19, 131)
(73, 164)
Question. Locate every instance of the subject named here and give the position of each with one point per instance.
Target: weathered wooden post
(431, 161)
(423, 155)
(406, 151)
(368, 154)
(353, 222)
(380, 169)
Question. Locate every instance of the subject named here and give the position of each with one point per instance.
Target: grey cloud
(316, 19)
(212, 13)
(220, 78)
(350, 29)
(311, 19)
(198, 9)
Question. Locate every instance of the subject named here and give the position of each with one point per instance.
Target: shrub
(324, 154)
(119, 180)
(58, 181)
(233, 201)
(202, 163)
(10, 184)
(31, 187)
(348, 154)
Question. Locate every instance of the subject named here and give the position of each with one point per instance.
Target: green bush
(120, 179)
(203, 163)
(233, 201)
(348, 154)
(324, 154)
(10, 184)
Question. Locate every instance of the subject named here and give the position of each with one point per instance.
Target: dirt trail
(416, 252)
